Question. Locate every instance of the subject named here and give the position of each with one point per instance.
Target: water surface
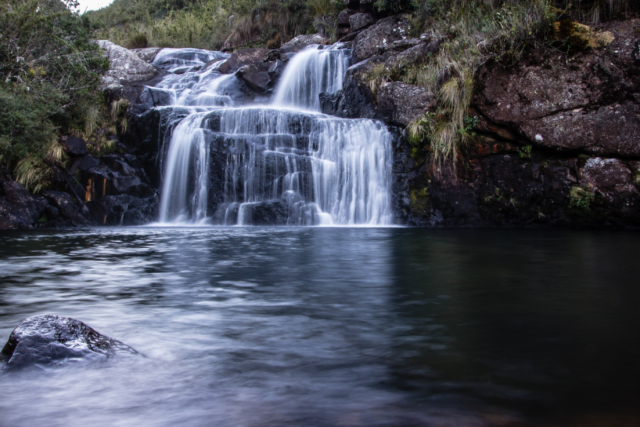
(331, 326)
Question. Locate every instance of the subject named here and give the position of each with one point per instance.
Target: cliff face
(557, 144)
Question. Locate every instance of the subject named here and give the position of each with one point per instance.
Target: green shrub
(49, 77)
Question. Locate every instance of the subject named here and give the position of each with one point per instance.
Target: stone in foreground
(54, 340)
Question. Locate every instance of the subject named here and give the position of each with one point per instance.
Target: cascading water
(282, 164)
(310, 73)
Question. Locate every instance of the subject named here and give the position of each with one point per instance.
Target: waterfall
(310, 73)
(282, 164)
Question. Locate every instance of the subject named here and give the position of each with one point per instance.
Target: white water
(310, 73)
(285, 164)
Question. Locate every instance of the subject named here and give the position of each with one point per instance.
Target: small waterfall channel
(281, 162)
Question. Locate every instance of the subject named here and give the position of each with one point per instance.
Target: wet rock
(359, 21)
(276, 69)
(357, 99)
(125, 210)
(73, 145)
(53, 340)
(302, 41)
(67, 207)
(407, 102)
(153, 97)
(382, 34)
(126, 66)
(84, 163)
(611, 177)
(147, 54)
(242, 57)
(273, 212)
(19, 209)
(273, 55)
(257, 76)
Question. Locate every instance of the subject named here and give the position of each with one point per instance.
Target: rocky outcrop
(73, 145)
(52, 340)
(126, 66)
(557, 145)
(300, 42)
(383, 33)
(147, 54)
(406, 102)
(242, 57)
(19, 209)
(358, 21)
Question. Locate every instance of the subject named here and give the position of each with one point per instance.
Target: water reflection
(302, 326)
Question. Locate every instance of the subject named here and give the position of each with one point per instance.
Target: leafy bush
(49, 76)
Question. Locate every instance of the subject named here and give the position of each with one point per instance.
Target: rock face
(18, 208)
(73, 145)
(300, 42)
(383, 33)
(242, 57)
(406, 102)
(126, 66)
(557, 141)
(147, 54)
(53, 340)
(588, 106)
(358, 21)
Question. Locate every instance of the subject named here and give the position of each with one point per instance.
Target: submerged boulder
(48, 339)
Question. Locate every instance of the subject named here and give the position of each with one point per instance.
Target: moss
(525, 152)
(579, 36)
(581, 198)
(419, 199)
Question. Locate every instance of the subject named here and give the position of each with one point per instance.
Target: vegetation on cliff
(49, 78)
(208, 24)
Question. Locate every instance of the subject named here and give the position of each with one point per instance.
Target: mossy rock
(580, 36)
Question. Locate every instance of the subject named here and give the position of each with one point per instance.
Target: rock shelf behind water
(48, 339)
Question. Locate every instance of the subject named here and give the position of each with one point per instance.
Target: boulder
(407, 102)
(383, 33)
(358, 21)
(153, 97)
(73, 145)
(67, 208)
(257, 76)
(610, 177)
(19, 209)
(343, 17)
(242, 57)
(147, 54)
(53, 340)
(414, 54)
(126, 66)
(125, 210)
(273, 212)
(302, 41)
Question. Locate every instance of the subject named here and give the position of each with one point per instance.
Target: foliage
(49, 76)
(208, 24)
(581, 198)
(525, 152)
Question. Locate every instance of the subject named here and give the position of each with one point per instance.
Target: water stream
(281, 163)
(318, 326)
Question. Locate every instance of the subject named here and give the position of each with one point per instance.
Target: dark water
(331, 326)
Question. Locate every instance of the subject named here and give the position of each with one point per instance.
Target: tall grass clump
(471, 33)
